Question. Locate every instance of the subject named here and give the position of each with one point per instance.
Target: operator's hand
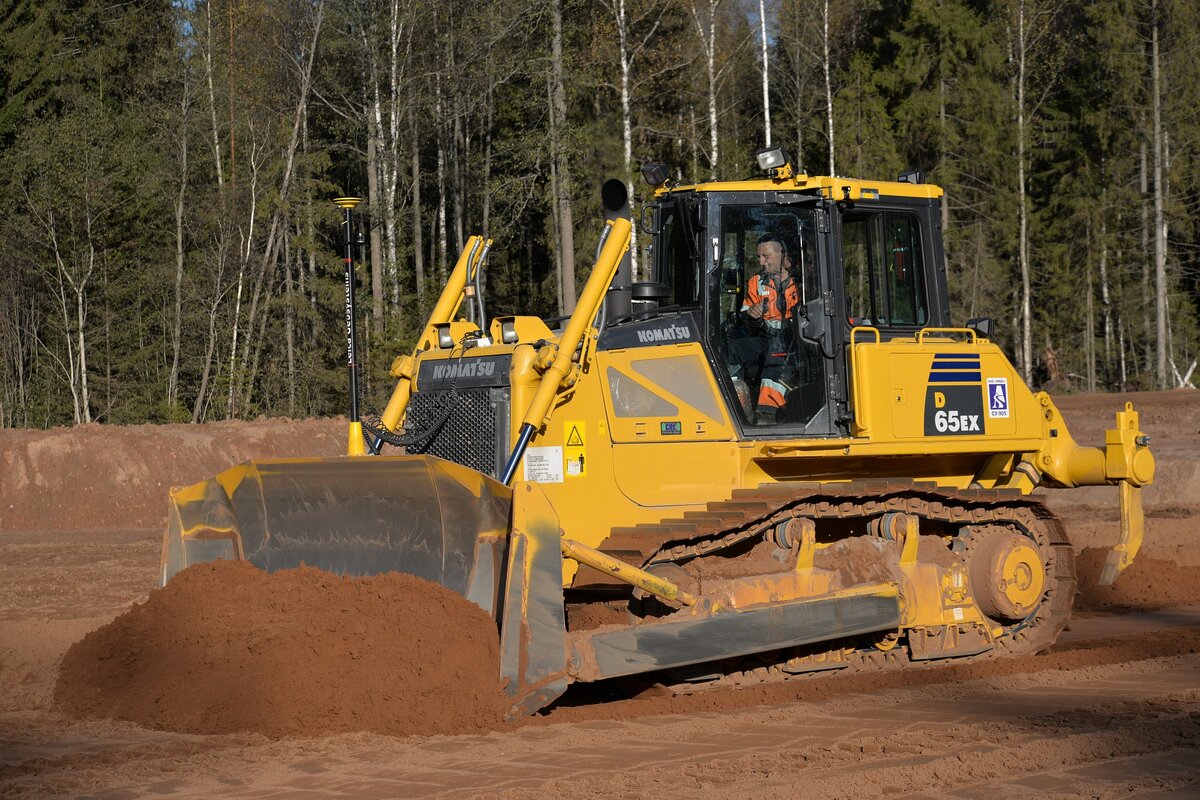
(757, 310)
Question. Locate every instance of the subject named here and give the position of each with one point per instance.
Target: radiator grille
(475, 433)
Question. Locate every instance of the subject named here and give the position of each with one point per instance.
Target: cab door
(774, 366)
(889, 275)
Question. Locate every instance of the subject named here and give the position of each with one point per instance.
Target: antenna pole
(355, 446)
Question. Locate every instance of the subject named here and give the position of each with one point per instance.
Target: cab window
(884, 269)
(677, 267)
(766, 274)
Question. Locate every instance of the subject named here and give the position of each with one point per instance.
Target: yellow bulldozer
(777, 457)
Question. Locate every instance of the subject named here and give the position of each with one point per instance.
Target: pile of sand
(226, 647)
(1147, 583)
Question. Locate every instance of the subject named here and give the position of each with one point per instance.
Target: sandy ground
(1112, 711)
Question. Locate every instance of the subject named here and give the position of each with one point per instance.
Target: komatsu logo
(673, 333)
(464, 369)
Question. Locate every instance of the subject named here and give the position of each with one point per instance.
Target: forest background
(169, 250)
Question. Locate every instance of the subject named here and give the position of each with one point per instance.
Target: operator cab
(779, 271)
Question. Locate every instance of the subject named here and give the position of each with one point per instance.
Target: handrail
(444, 310)
(861, 417)
(974, 337)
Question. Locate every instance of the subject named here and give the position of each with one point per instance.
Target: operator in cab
(769, 303)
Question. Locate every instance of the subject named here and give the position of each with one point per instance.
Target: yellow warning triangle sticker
(574, 440)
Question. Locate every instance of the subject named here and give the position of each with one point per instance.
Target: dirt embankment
(116, 477)
(226, 648)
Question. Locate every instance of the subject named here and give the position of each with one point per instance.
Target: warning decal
(544, 464)
(575, 449)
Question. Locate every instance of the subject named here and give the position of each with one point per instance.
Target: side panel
(671, 477)
(935, 390)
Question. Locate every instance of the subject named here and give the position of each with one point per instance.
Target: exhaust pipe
(618, 302)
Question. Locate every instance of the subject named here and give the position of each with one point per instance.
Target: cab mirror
(984, 327)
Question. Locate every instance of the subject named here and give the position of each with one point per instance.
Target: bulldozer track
(750, 513)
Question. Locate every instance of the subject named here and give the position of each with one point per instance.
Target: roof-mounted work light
(655, 174)
(774, 161)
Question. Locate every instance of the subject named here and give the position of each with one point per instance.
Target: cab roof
(833, 188)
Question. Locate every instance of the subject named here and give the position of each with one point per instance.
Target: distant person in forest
(770, 301)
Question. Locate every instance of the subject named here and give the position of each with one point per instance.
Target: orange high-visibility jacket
(769, 287)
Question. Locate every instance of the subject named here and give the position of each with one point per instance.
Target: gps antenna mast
(355, 445)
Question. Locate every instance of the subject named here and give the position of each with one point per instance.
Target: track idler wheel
(1007, 574)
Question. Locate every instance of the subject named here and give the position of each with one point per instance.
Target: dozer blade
(415, 514)
(351, 516)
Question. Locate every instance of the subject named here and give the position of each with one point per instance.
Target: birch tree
(704, 14)
(766, 73)
(1032, 23)
(636, 31)
(562, 187)
(1160, 221)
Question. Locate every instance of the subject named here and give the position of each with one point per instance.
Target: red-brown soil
(104, 476)
(225, 647)
(1112, 711)
(1147, 583)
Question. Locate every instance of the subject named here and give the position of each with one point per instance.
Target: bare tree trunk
(69, 369)
(1089, 328)
(206, 370)
(243, 262)
(232, 127)
(289, 324)
(375, 203)
(233, 338)
(308, 278)
(695, 144)
(1160, 224)
(487, 162)
(397, 32)
(942, 154)
(458, 151)
(1022, 204)
(625, 61)
(180, 200)
(212, 101)
(383, 111)
(1147, 314)
(76, 367)
(256, 349)
(826, 68)
(418, 233)
(81, 330)
(706, 27)
(566, 219)
(766, 81)
(1105, 298)
(554, 220)
(1121, 346)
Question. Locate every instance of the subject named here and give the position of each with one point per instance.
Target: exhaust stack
(618, 302)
